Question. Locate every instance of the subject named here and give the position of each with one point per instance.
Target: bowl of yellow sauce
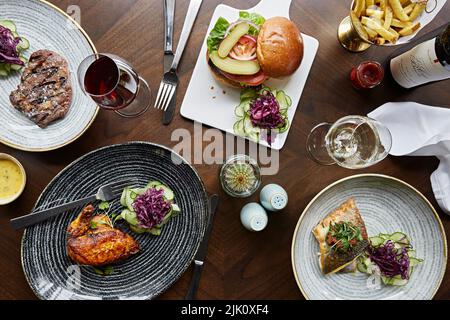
(12, 179)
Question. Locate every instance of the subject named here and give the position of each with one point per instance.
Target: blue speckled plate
(50, 272)
(387, 205)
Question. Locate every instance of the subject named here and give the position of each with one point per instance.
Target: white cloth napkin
(420, 130)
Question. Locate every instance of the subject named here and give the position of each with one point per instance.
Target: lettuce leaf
(217, 34)
(253, 17)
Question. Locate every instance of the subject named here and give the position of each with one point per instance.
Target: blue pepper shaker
(274, 198)
(254, 217)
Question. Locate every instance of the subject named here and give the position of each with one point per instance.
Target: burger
(251, 50)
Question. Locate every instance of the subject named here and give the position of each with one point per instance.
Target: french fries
(385, 21)
(360, 6)
(417, 11)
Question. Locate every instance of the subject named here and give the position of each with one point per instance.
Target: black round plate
(50, 272)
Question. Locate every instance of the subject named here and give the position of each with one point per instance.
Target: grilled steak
(45, 93)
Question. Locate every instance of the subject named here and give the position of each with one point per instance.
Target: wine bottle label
(418, 66)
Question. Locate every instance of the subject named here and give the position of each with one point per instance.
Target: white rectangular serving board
(215, 107)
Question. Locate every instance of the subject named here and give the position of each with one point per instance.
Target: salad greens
(262, 113)
(390, 256)
(218, 33)
(11, 48)
(343, 236)
(252, 17)
(148, 209)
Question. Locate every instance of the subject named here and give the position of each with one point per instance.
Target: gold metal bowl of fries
(379, 22)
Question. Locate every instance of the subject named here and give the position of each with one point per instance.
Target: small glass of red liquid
(367, 75)
(114, 85)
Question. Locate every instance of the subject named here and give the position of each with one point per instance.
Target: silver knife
(169, 14)
(199, 258)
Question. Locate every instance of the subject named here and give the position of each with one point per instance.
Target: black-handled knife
(169, 14)
(199, 259)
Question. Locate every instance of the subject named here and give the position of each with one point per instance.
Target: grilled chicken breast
(45, 93)
(93, 241)
(332, 259)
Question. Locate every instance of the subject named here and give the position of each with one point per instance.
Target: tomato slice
(252, 80)
(244, 49)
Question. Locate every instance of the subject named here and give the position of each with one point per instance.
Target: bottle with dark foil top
(425, 63)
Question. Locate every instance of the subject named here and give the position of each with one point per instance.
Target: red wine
(110, 83)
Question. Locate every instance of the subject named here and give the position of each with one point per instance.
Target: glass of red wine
(114, 85)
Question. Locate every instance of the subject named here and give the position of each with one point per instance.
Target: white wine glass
(353, 142)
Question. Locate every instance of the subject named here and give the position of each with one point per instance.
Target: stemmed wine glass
(353, 142)
(114, 85)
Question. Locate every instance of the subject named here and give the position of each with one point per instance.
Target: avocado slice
(230, 41)
(234, 66)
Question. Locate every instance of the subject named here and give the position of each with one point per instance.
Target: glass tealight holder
(240, 176)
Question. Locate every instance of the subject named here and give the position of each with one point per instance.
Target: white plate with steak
(42, 107)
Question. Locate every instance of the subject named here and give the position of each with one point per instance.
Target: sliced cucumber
(399, 237)
(153, 184)
(8, 24)
(376, 241)
(130, 217)
(414, 262)
(242, 109)
(138, 230)
(155, 231)
(16, 67)
(412, 254)
(129, 199)
(285, 127)
(168, 193)
(3, 72)
(176, 209)
(238, 128)
(123, 197)
(23, 45)
(361, 267)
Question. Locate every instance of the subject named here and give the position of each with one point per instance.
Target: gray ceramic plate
(46, 27)
(162, 260)
(387, 205)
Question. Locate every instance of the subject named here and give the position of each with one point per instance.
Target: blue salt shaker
(254, 217)
(274, 198)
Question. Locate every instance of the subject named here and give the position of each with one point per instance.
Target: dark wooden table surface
(240, 264)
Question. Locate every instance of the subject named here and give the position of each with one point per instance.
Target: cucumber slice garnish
(400, 237)
(155, 231)
(15, 67)
(8, 24)
(376, 241)
(239, 128)
(153, 184)
(168, 193)
(23, 45)
(361, 267)
(130, 217)
(123, 197)
(3, 72)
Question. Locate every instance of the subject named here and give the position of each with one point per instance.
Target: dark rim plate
(52, 275)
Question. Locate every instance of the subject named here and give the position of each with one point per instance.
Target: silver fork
(105, 193)
(169, 82)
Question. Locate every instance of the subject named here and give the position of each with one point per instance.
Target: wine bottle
(427, 62)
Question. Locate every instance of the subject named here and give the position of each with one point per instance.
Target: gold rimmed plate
(387, 205)
(46, 27)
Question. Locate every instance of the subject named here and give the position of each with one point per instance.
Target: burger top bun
(280, 47)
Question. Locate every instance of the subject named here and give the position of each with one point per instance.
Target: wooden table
(240, 265)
